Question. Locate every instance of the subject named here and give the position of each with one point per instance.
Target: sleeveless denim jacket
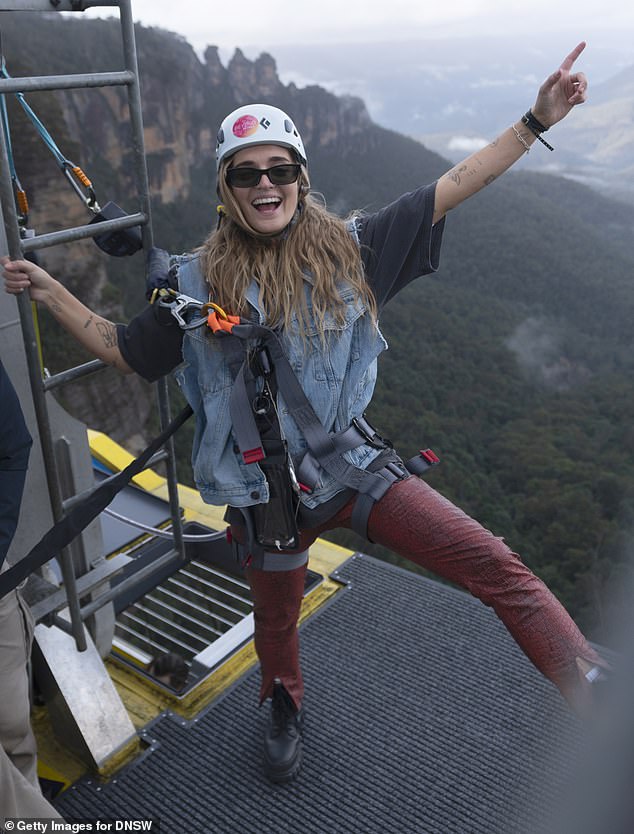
(338, 380)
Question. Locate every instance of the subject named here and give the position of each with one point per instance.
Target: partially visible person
(20, 794)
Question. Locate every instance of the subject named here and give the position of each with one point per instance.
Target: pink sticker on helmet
(245, 126)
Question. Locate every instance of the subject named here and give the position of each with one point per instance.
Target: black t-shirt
(15, 445)
(398, 244)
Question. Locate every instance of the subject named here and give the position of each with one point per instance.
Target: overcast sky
(246, 23)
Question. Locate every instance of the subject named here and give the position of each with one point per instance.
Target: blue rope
(39, 126)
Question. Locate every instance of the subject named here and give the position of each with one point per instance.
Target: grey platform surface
(422, 717)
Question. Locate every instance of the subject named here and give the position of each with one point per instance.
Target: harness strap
(325, 449)
(320, 442)
(392, 472)
(358, 432)
(267, 560)
(420, 463)
(243, 417)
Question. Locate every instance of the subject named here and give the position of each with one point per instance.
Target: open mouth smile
(266, 204)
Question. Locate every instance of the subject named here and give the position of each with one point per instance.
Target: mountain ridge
(528, 319)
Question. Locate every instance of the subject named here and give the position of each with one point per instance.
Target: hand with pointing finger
(561, 91)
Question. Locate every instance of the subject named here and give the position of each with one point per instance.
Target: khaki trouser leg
(20, 793)
(19, 797)
(16, 735)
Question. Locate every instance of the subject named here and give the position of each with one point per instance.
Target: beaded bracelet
(521, 139)
(536, 127)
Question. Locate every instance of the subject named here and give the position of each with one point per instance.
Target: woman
(293, 460)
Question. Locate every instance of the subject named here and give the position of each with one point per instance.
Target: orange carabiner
(79, 174)
(221, 321)
(23, 203)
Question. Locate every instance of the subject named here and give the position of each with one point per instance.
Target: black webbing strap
(357, 433)
(243, 418)
(362, 508)
(85, 511)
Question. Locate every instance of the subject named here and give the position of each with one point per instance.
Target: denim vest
(338, 380)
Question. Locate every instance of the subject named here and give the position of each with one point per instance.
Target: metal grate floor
(184, 614)
(422, 717)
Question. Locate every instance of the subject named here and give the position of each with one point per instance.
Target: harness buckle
(370, 435)
(421, 462)
(429, 456)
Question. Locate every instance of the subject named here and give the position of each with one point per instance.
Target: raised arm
(96, 334)
(559, 93)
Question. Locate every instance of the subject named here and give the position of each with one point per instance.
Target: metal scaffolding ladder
(65, 608)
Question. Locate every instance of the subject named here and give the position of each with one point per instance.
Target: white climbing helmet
(257, 124)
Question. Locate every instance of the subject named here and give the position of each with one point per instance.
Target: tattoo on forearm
(108, 333)
(88, 323)
(489, 179)
(56, 307)
(455, 175)
(464, 171)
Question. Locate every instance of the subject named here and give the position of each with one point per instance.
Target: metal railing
(76, 587)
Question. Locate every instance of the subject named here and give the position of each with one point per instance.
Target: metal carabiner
(79, 180)
(205, 308)
(181, 305)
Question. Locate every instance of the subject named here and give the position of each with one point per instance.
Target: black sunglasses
(250, 177)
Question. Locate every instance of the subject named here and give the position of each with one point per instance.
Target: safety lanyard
(78, 180)
(20, 194)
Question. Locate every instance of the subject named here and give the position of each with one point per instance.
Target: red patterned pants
(416, 522)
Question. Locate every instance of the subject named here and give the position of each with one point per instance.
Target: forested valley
(514, 362)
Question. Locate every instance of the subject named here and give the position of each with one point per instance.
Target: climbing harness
(118, 243)
(260, 368)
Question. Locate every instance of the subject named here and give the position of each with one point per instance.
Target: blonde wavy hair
(317, 242)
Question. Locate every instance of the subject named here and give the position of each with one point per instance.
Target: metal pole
(136, 118)
(80, 232)
(73, 373)
(54, 5)
(65, 82)
(129, 78)
(39, 398)
(171, 558)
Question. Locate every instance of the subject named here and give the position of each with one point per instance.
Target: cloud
(467, 144)
(514, 81)
(358, 21)
(539, 348)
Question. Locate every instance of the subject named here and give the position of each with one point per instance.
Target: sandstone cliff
(184, 100)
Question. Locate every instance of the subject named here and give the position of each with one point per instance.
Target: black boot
(283, 737)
